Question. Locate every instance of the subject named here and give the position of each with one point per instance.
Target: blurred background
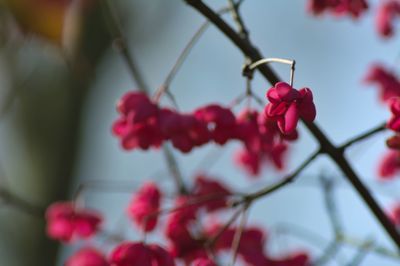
(60, 77)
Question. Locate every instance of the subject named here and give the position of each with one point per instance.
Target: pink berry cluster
(188, 228)
(386, 12)
(66, 223)
(353, 8)
(191, 228)
(264, 135)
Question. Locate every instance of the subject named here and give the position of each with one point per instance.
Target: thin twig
(117, 34)
(320, 241)
(243, 31)
(361, 254)
(211, 242)
(334, 247)
(360, 244)
(120, 43)
(328, 190)
(330, 251)
(287, 180)
(164, 88)
(381, 127)
(21, 204)
(238, 234)
(174, 169)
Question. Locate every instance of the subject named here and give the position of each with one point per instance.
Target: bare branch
(381, 127)
(326, 145)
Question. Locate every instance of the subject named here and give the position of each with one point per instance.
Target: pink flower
(251, 247)
(203, 262)
(250, 161)
(338, 7)
(277, 154)
(389, 165)
(139, 254)
(394, 122)
(65, 223)
(263, 141)
(248, 130)
(138, 106)
(161, 257)
(318, 6)
(270, 132)
(387, 12)
(178, 231)
(138, 125)
(295, 259)
(386, 80)
(184, 130)
(288, 105)
(131, 254)
(206, 187)
(221, 121)
(87, 257)
(145, 205)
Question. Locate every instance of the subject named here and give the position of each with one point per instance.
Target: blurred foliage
(49, 53)
(48, 84)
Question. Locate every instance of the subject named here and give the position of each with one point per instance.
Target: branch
(361, 254)
(116, 32)
(287, 180)
(164, 88)
(327, 185)
(369, 133)
(360, 244)
(21, 204)
(319, 241)
(325, 144)
(334, 247)
(120, 44)
(244, 45)
(238, 235)
(243, 31)
(211, 242)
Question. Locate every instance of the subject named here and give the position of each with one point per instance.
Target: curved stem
(164, 88)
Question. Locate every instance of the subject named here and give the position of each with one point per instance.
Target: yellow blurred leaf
(45, 18)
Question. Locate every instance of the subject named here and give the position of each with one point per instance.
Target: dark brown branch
(244, 45)
(326, 145)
